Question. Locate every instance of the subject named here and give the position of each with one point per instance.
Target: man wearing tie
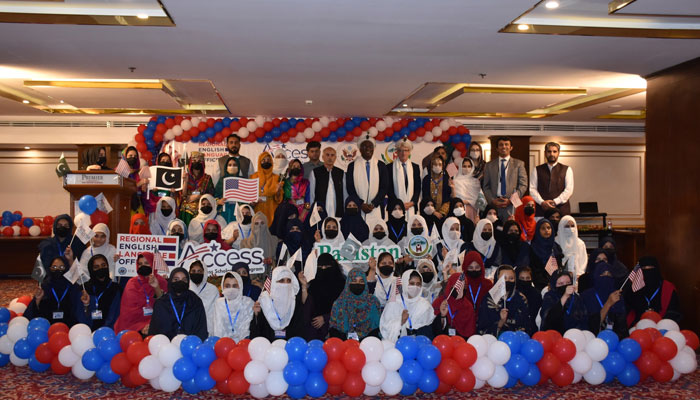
(504, 176)
(404, 178)
(366, 178)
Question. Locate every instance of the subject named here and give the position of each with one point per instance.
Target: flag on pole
(241, 189)
(77, 273)
(159, 265)
(166, 178)
(637, 278)
(123, 168)
(459, 285)
(551, 266)
(315, 217)
(398, 290)
(294, 258)
(62, 169)
(268, 283)
(498, 290)
(84, 233)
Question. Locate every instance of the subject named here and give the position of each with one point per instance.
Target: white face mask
(492, 218)
(429, 210)
(279, 164)
(475, 154)
(282, 296)
(397, 214)
(436, 169)
(467, 171)
(458, 212)
(413, 291)
(231, 293)
(454, 235)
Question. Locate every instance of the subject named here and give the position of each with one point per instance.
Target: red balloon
(643, 338)
(335, 390)
(452, 131)
(222, 386)
(24, 231)
(462, 130)
(58, 340)
(648, 362)
(544, 340)
(412, 136)
(223, 346)
(549, 364)
(99, 217)
(565, 350)
(48, 220)
(210, 122)
(466, 381)
(202, 126)
(235, 126)
(691, 339)
(334, 373)
(325, 132)
(444, 137)
(357, 131)
(141, 128)
(160, 129)
(465, 355)
(218, 138)
(404, 122)
(127, 381)
(364, 125)
(179, 119)
(428, 126)
(379, 137)
(443, 388)
(237, 383)
(141, 147)
(120, 364)
(268, 126)
(317, 138)
(7, 231)
(17, 223)
(243, 121)
(135, 377)
(284, 138)
(25, 300)
(225, 132)
(352, 343)
(556, 336)
(238, 358)
(665, 348)
(565, 375)
(445, 345)
(448, 371)
(219, 370)
(276, 121)
(333, 126)
(128, 338)
(300, 126)
(136, 352)
(664, 373)
(354, 385)
(57, 367)
(457, 340)
(169, 123)
(354, 360)
(655, 334)
(334, 348)
(396, 126)
(43, 353)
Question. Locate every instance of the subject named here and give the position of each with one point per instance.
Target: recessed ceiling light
(25, 101)
(523, 27)
(405, 105)
(142, 16)
(309, 102)
(551, 4)
(27, 147)
(61, 101)
(615, 106)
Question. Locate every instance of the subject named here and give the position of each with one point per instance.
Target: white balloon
(195, 121)
(316, 126)
(169, 135)
(480, 345)
(5, 345)
(81, 373)
(500, 375)
(258, 391)
(490, 339)
(387, 345)
(392, 359)
(483, 368)
(34, 230)
(380, 125)
(373, 349)
(499, 353)
(581, 363)
(251, 126)
(373, 373)
(668, 324)
(687, 349)
(452, 121)
(186, 125)
(371, 390)
(18, 307)
(308, 133)
(255, 372)
(577, 336)
(392, 384)
(167, 381)
(596, 375)
(16, 332)
(260, 120)
(324, 121)
(257, 348)
(67, 357)
(150, 367)
(168, 354)
(300, 138)
(279, 343)
(683, 363)
(577, 377)
(275, 383)
(419, 139)
(20, 362)
(156, 343)
(479, 384)
(83, 219)
(155, 383)
(276, 359)
(597, 349)
(177, 340)
(677, 338)
(389, 121)
(19, 320)
(589, 336)
(177, 130)
(373, 132)
(646, 323)
(243, 133)
(428, 137)
(444, 125)
(81, 344)
(15, 230)
(436, 131)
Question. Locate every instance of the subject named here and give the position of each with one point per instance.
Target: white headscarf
(451, 244)
(233, 315)
(244, 230)
(485, 247)
(431, 289)
(371, 224)
(338, 241)
(207, 292)
(574, 249)
(279, 165)
(278, 305)
(196, 227)
(159, 222)
(466, 186)
(420, 312)
(403, 243)
(106, 250)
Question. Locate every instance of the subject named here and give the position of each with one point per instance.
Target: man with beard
(233, 144)
(552, 183)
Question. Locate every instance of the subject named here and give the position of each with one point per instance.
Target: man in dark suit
(503, 176)
(326, 185)
(404, 178)
(366, 179)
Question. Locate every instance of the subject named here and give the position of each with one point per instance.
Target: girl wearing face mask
(207, 211)
(485, 244)
(562, 307)
(436, 186)
(377, 233)
(208, 293)
(227, 208)
(451, 241)
(293, 239)
(427, 211)
(491, 213)
(585, 281)
(270, 187)
(139, 225)
(280, 162)
(212, 233)
(131, 155)
(177, 228)
(324, 289)
(524, 284)
(279, 313)
(513, 250)
(139, 296)
(477, 286)
(283, 214)
(604, 306)
(356, 313)
(457, 210)
(249, 289)
(573, 249)
(467, 187)
(657, 294)
(260, 237)
(397, 221)
(241, 228)
(163, 214)
(455, 313)
(381, 279)
(296, 188)
(98, 304)
(495, 317)
(198, 184)
(234, 311)
(353, 221)
(180, 311)
(330, 233)
(476, 154)
(542, 248)
(525, 217)
(619, 270)
(99, 244)
(554, 216)
(55, 297)
(431, 287)
(408, 313)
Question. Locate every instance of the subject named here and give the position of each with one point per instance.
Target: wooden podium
(116, 189)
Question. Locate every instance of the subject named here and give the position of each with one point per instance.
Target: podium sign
(92, 179)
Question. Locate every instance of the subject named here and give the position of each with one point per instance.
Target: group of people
(475, 233)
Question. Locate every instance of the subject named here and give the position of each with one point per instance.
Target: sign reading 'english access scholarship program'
(129, 246)
(220, 261)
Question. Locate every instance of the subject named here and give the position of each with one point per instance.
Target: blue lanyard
(180, 317)
(485, 256)
(452, 316)
(471, 294)
(203, 286)
(599, 302)
(388, 293)
(148, 298)
(60, 252)
(58, 307)
(97, 298)
(571, 304)
(437, 182)
(652, 296)
(400, 232)
(275, 310)
(250, 289)
(410, 324)
(233, 323)
(243, 234)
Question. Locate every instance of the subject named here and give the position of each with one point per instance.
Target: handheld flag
(77, 273)
(315, 217)
(84, 233)
(498, 290)
(166, 178)
(159, 265)
(267, 285)
(62, 169)
(551, 266)
(241, 189)
(637, 278)
(123, 168)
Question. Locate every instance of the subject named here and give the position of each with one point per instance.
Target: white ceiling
(358, 57)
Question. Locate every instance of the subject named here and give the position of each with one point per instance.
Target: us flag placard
(241, 189)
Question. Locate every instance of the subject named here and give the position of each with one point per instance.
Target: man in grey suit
(497, 189)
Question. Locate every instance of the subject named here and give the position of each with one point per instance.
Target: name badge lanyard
(649, 299)
(275, 310)
(98, 297)
(233, 322)
(388, 293)
(58, 301)
(471, 294)
(452, 315)
(242, 233)
(148, 298)
(600, 302)
(180, 317)
(410, 324)
(398, 236)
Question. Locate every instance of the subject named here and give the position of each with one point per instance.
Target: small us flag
(123, 168)
(637, 278)
(459, 285)
(241, 189)
(268, 283)
(160, 267)
(398, 290)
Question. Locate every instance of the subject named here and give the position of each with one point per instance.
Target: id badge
(353, 335)
(280, 334)
(262, 198)
(608, 326)
(97, 314)
(58, 315)
(300, 202)
(147, 311)
(196, 193)
(452, 332)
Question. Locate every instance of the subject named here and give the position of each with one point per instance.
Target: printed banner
(363, 254)
(129, 246)
(219, 261)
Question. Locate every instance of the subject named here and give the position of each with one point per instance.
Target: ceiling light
(142, 16)
(25, 101)
(27, 147)
(523, 27)
(61, 101)
(309, 102)
(552, 4)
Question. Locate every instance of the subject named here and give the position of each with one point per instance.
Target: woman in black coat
(180, 311)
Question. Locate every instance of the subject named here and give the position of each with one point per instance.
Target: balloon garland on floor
(656, 348)
(150, 137)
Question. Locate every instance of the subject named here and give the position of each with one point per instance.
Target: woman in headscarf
(324, 289)
(58, 244)
(99, 244)
(95, 159)
(417, 227)
(270, 187)
(657, 294)
(198, 184)
(451, 240)
(224, 208)
(208, 293)
(378, 233)
(604, 306)
(467, 187)
(585, 281)
(466, 225)
(180, 311)
(514, 250)
(476, 154)
(139, 296)
(456, 313)
(431, 287)
(525, 217)
(155, 195)
(177, 228)
(554, 216)
(249, 290)
(206, 212)
(356, 313)
(436, 186)
(427, 211)
(484, 242)
(408, 313)
(241, 228)
(524, 284)
(212, 233)
(131, 155)
(279, 313)
(491, 213)
(296, 188)
(163, 214)
(619, 270)
(293, 239)
(284, 212)
(510, 313)
(279, 162)
(477, 286)
(233, 311)
(98, 304)
(330, 234)
(55, 297)
(381, 279)
(353, 221)
(397, 221)
(260, 237)
(139, 225)
(542, 248)
(573, 248)
(562, 307)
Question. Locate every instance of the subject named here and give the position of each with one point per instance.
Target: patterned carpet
(13, 288)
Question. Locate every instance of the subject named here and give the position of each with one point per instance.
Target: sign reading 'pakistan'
(362, 255)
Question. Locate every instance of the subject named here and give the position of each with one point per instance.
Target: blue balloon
(39, 323)
(315, 343)
(202, 137)
(102, 334)
(7, 222)
(260, 139)
(422, 340)
(7, 214)
(23, 349)
(218, 126)
(517, 366)
(204, 380)
(341, 132)
(37, 337)
(315, 359)
(121, 333)
(428, 382)
(293, 122)
(276, 132)
(106, 375)
(268, 138)
(190, 386)
(226, 121)
(349, 126)
(411, 371)
(613, 363)
(28, 222)
(160, 119)
(151, 124)
(412, 126)
(532, 350)
(403, 132)
(629, 349)
(109, 348)
(210, 133)
(408, 389)
(295, 373)
(315, 385)
(608, 377)
(17, 216)
(297, 391)
(3, 328)
(184, 369)
(332, 137)
(512, 381)
(512, 340)
(87, 204)
(296, 348)
(523, 336)
(532, 377)
(188, 345)
(92, 361)
(284, 126)
(408, 347)
(609, 337)
(203, 356)
(36, 366)
(211, 341)
(148, 133)
(429, 357)
(630, 375)
(150, 143)
(4, 359)
(4, 314)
